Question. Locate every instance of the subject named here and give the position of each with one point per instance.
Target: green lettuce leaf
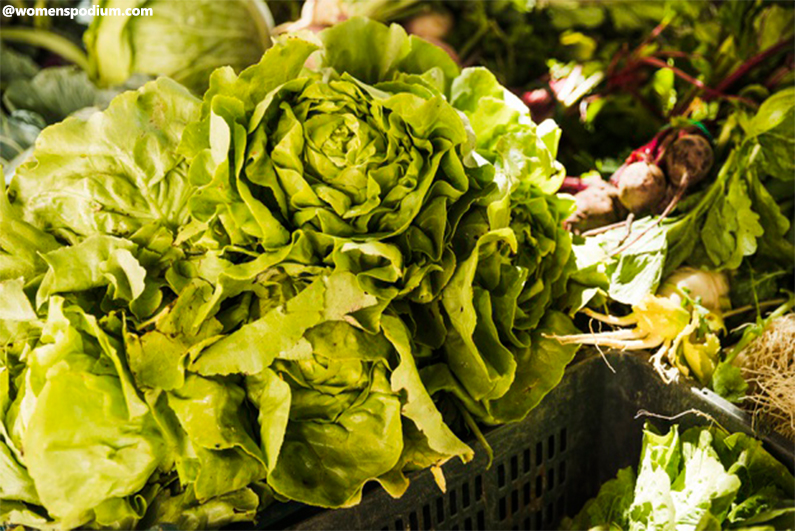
(326, 461)
(704, 479)
(772, 127)
(183, 41)
(609, 507)
(114, 173)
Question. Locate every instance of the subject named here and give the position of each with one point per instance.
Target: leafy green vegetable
(131, 171)
(261, 295)
(53, 93)
(185, 41)
(705, 478)
(18, 132)
(15, 66)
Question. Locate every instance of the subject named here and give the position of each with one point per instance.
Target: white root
(770, 371)
(610, 319)
(613, 335)
(605, 340)
(657, 357)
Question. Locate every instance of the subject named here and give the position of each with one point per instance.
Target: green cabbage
(276, 292)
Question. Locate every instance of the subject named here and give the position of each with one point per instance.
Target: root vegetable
(433, 25)
(684, 335)
(541, 103)
(689, 161)
(641, 187)
(690, 155)
(597, 205)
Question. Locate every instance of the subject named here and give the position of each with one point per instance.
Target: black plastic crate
(546, 466)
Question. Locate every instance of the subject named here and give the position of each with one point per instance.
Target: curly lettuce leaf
(521, 150)
(77, 466)
(380, 52)
(219, 452)
(540, 368)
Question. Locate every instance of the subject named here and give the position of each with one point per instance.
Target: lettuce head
(274, 292)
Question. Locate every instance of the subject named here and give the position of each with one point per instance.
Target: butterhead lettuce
(275, 292)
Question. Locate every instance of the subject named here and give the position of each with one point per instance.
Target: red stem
(750, 64)
(672, 53)
(682, 74)
(710, 92)
(653, 35)
(615, 59)
(572, 185)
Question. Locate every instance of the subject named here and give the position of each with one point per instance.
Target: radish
(709, 288)
(675, 321)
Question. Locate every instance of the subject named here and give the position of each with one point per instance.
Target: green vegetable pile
(703, 478)
(734, 230)
(700, 211)
(310, 279)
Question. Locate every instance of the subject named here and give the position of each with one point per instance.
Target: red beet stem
(752, 63)
(572, 185)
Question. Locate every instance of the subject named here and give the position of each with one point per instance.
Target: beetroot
(597, 206)
(641, 187)
(691, 156)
